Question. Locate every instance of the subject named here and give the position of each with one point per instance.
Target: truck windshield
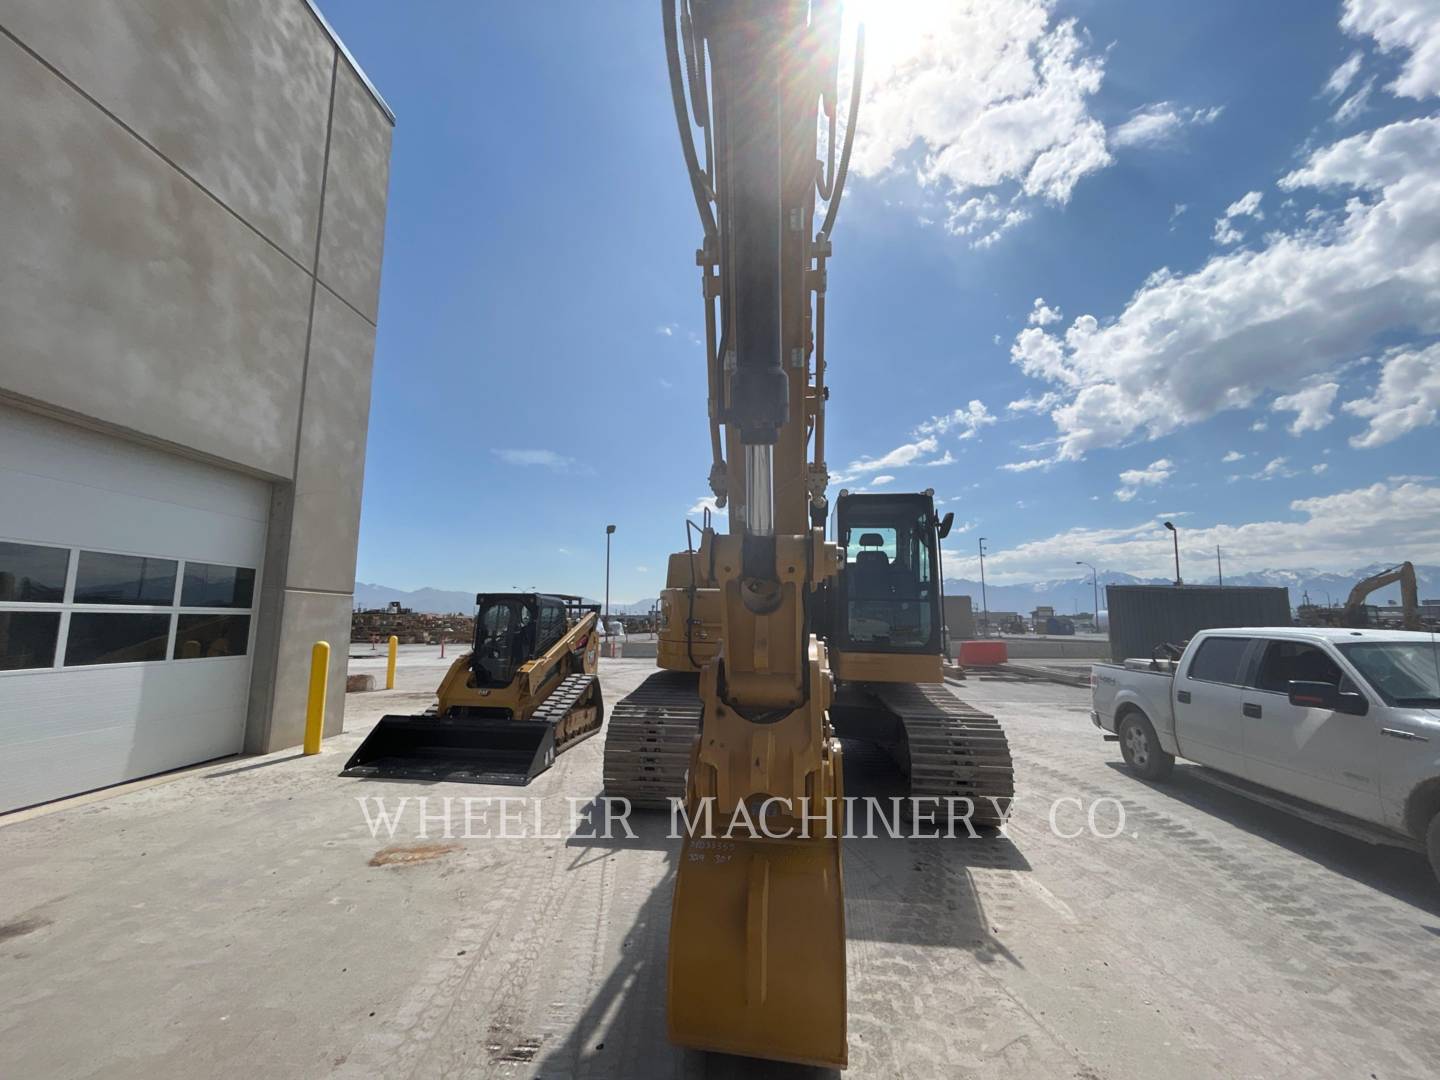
(1404, 673)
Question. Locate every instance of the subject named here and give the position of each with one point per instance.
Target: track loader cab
(885, 620)
(524, 693)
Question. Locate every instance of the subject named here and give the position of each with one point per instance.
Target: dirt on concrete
(1117, 929)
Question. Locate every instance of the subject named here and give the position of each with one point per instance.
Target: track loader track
(955, 750)
(648, 742)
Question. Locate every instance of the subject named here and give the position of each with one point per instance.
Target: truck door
(1326, 757)
(1206, 698)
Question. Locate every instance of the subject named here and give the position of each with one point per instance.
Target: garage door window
(33, 574)
(27, 639)
(209, 585)
(106, 637)
(68, 607)
(125, 579)
(211, 635)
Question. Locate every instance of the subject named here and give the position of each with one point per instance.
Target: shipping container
(1143, 617)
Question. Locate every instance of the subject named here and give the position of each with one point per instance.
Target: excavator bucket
(757, 949)
(481, 750)
(466, 751)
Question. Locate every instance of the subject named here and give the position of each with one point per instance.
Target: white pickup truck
(1344, 720)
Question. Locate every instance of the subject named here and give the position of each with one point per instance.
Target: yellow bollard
(315, 706)
(390, 664)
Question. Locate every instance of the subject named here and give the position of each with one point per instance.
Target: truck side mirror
(1324, 695)
(945, 523)
(1313, 695)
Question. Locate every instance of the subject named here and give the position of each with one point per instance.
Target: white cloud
(1406, 397)
(1187, 346)
(1026, 466)
(984, 95)
(1320, 468)
(1311, 406)
(1355, 104)
(905, 454)
(1341, 78)
(1043, 403)
(1157, 472)
(881, 481)
(1233, 455)
(642, 569)
(946, 458)
(667, 330)
(704, 503)
(1248, 205)
(548, 459)
(1274, 468)
(1160, 123)
(1338, 532)
(1042, 314)
(967, 420)
(1409, 25)
(1259, 425)
(983, 218)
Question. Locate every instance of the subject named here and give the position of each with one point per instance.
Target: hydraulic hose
(844, 171)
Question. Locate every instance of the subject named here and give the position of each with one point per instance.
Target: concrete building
(192, 199)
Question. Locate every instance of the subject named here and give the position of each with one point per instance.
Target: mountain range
(1065, 595)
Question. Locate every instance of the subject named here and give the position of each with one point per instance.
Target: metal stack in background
(1144, 617)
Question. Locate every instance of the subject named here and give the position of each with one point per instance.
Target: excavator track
(648, 743)
(955, 750)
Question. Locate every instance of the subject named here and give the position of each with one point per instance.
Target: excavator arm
(757, 942)
(1404, 573)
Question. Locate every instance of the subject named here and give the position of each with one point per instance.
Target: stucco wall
(173, 175)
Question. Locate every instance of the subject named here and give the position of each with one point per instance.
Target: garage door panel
(70, 731)
(65, 730)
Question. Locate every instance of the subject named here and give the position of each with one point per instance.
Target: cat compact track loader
(525, 693)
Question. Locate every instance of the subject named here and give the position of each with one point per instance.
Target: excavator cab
(886, 602)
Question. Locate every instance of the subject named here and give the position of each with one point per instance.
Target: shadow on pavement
(1401, 874)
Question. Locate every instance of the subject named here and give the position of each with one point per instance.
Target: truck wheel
(1141, 748)
(1432, 843)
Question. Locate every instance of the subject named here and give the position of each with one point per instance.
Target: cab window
(1218, 660)
(1285, 661)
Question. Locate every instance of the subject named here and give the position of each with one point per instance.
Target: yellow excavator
(1356, 612)
(775, 642)
(524, 693)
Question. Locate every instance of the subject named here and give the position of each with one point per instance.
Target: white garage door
(129, 579)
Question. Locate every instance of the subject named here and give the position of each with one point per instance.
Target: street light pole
(1176, 533)
(1219, 570)
(984, 602)
(609, 532)
(1094, 589)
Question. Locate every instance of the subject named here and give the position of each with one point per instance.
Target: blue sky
(1230, 210)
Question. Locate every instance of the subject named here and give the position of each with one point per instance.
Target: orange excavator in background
(1356, 612)
(775, 641)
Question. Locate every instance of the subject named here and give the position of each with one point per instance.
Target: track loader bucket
(757, 949)
(469, 751)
